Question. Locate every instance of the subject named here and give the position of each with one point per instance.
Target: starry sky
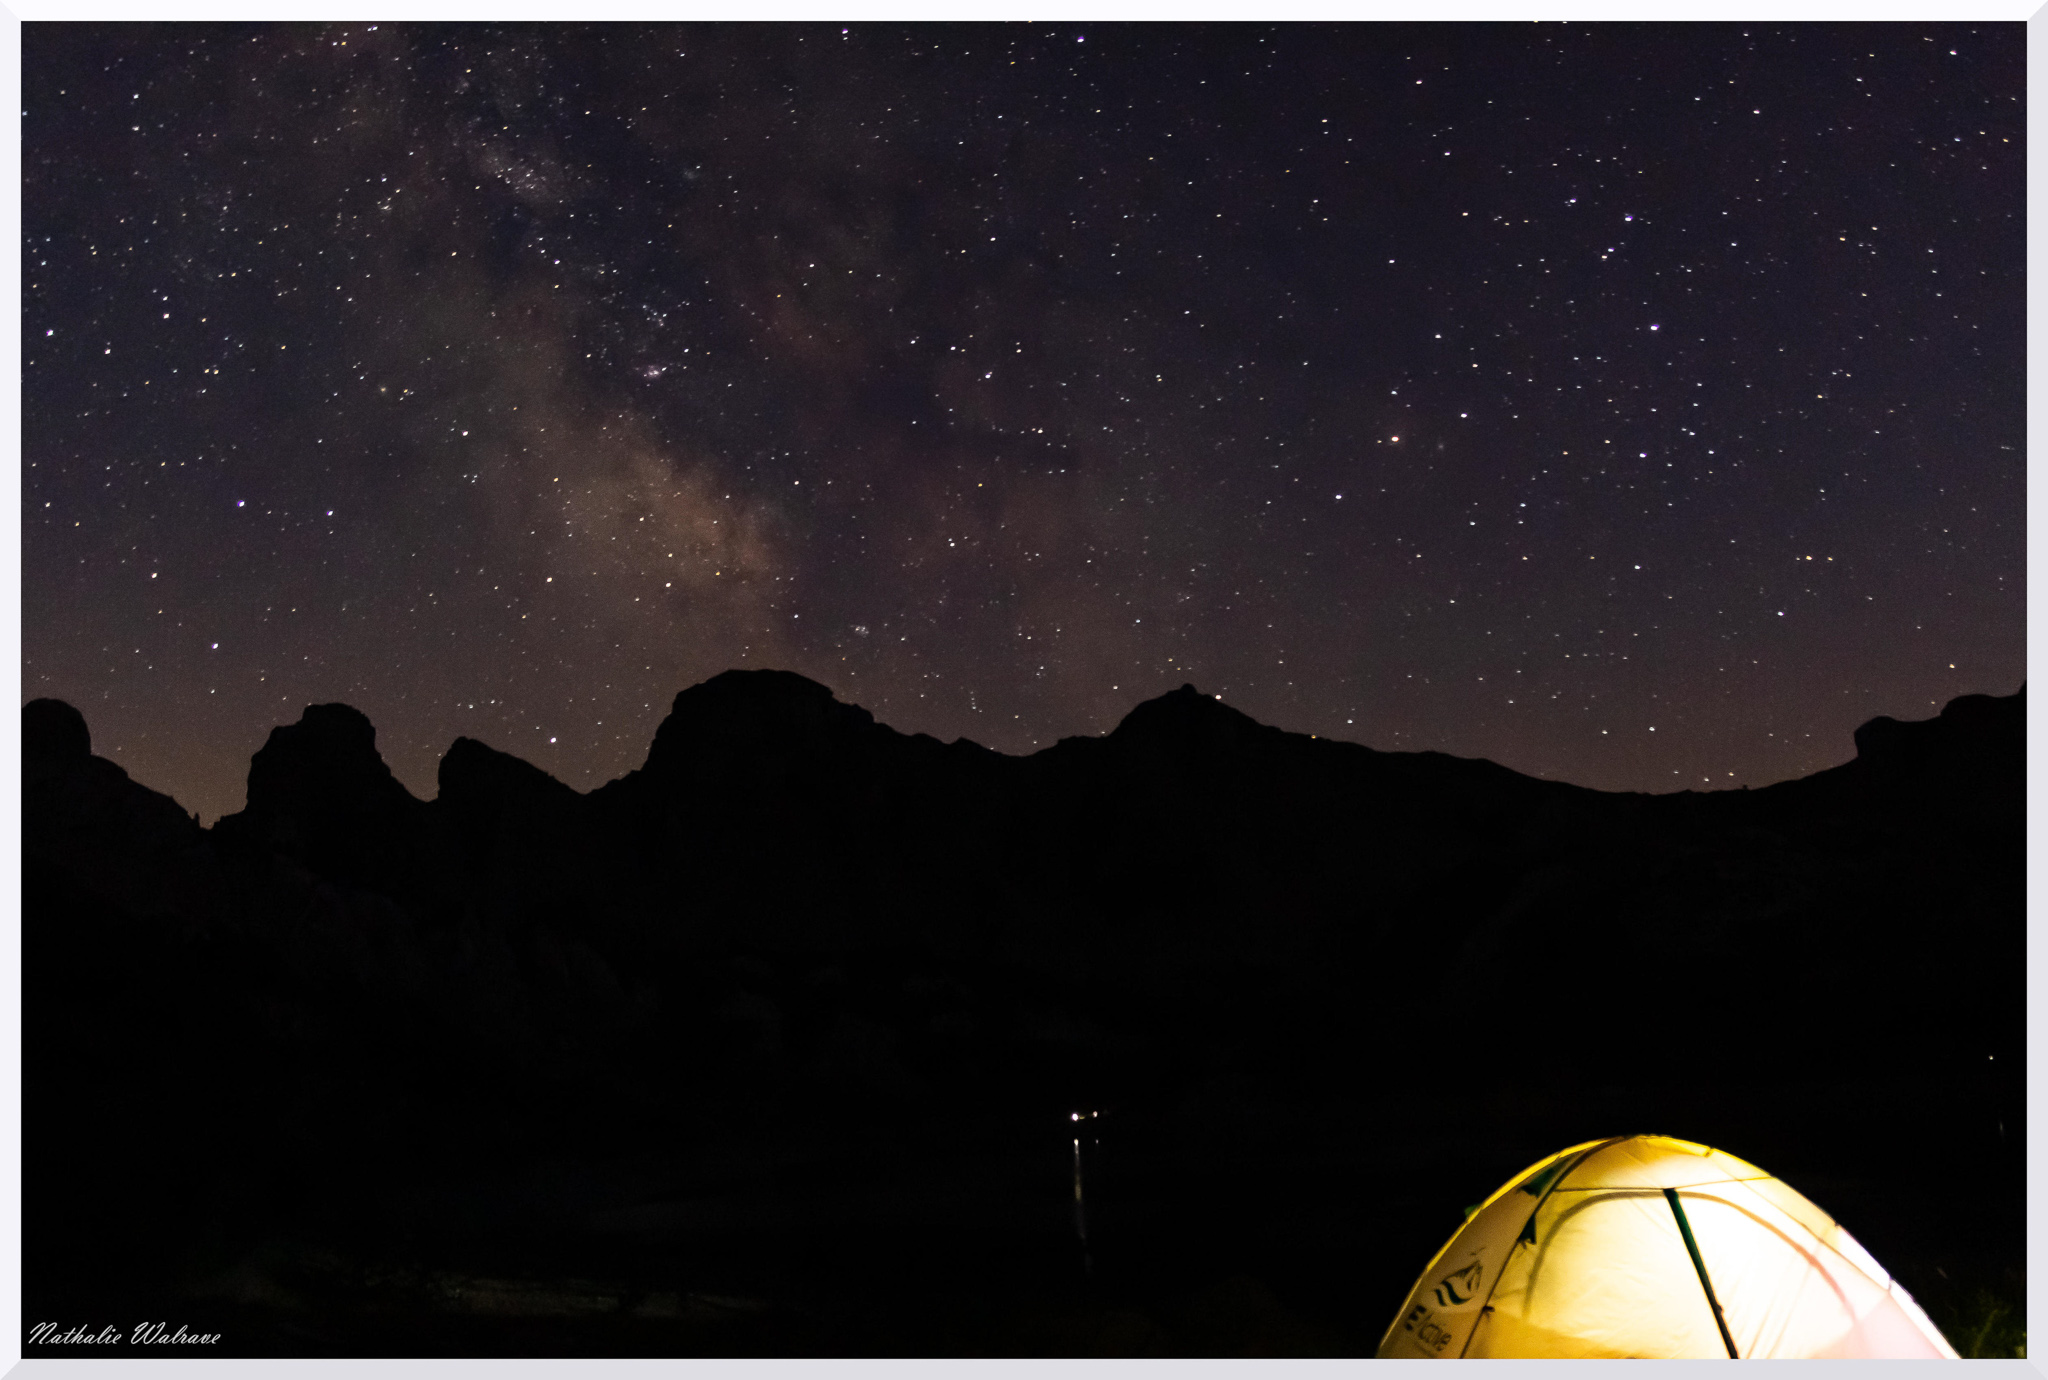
(1636, 405)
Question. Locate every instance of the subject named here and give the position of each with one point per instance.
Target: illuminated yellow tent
(1646, 1246)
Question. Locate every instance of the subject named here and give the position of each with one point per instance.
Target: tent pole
(1693, 1249)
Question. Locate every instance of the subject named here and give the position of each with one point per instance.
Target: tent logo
(1430, 1334)
(1461, 1287)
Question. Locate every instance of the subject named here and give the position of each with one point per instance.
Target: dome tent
(1646, 1246)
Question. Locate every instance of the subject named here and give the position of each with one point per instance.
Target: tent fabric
(1582, 1255)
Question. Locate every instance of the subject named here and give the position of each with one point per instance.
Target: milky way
(1636, 406)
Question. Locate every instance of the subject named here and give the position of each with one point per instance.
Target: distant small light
(1653, 326)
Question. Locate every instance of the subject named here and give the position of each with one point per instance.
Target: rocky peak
(475, 775)
(326, 764)
(753, 713)
(319, 791)
(1187, 719)
(54, 738)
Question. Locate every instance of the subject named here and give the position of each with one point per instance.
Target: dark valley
(777, 1045)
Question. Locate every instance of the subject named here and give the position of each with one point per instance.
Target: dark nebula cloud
(1639, 405)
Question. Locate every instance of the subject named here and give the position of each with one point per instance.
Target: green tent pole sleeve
(1693, 1249)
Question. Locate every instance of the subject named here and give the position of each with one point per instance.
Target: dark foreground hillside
(774, 1045)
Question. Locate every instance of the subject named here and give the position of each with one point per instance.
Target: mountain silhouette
(338, 1006)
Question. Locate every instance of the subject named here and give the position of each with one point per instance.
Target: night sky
(1639, 406)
